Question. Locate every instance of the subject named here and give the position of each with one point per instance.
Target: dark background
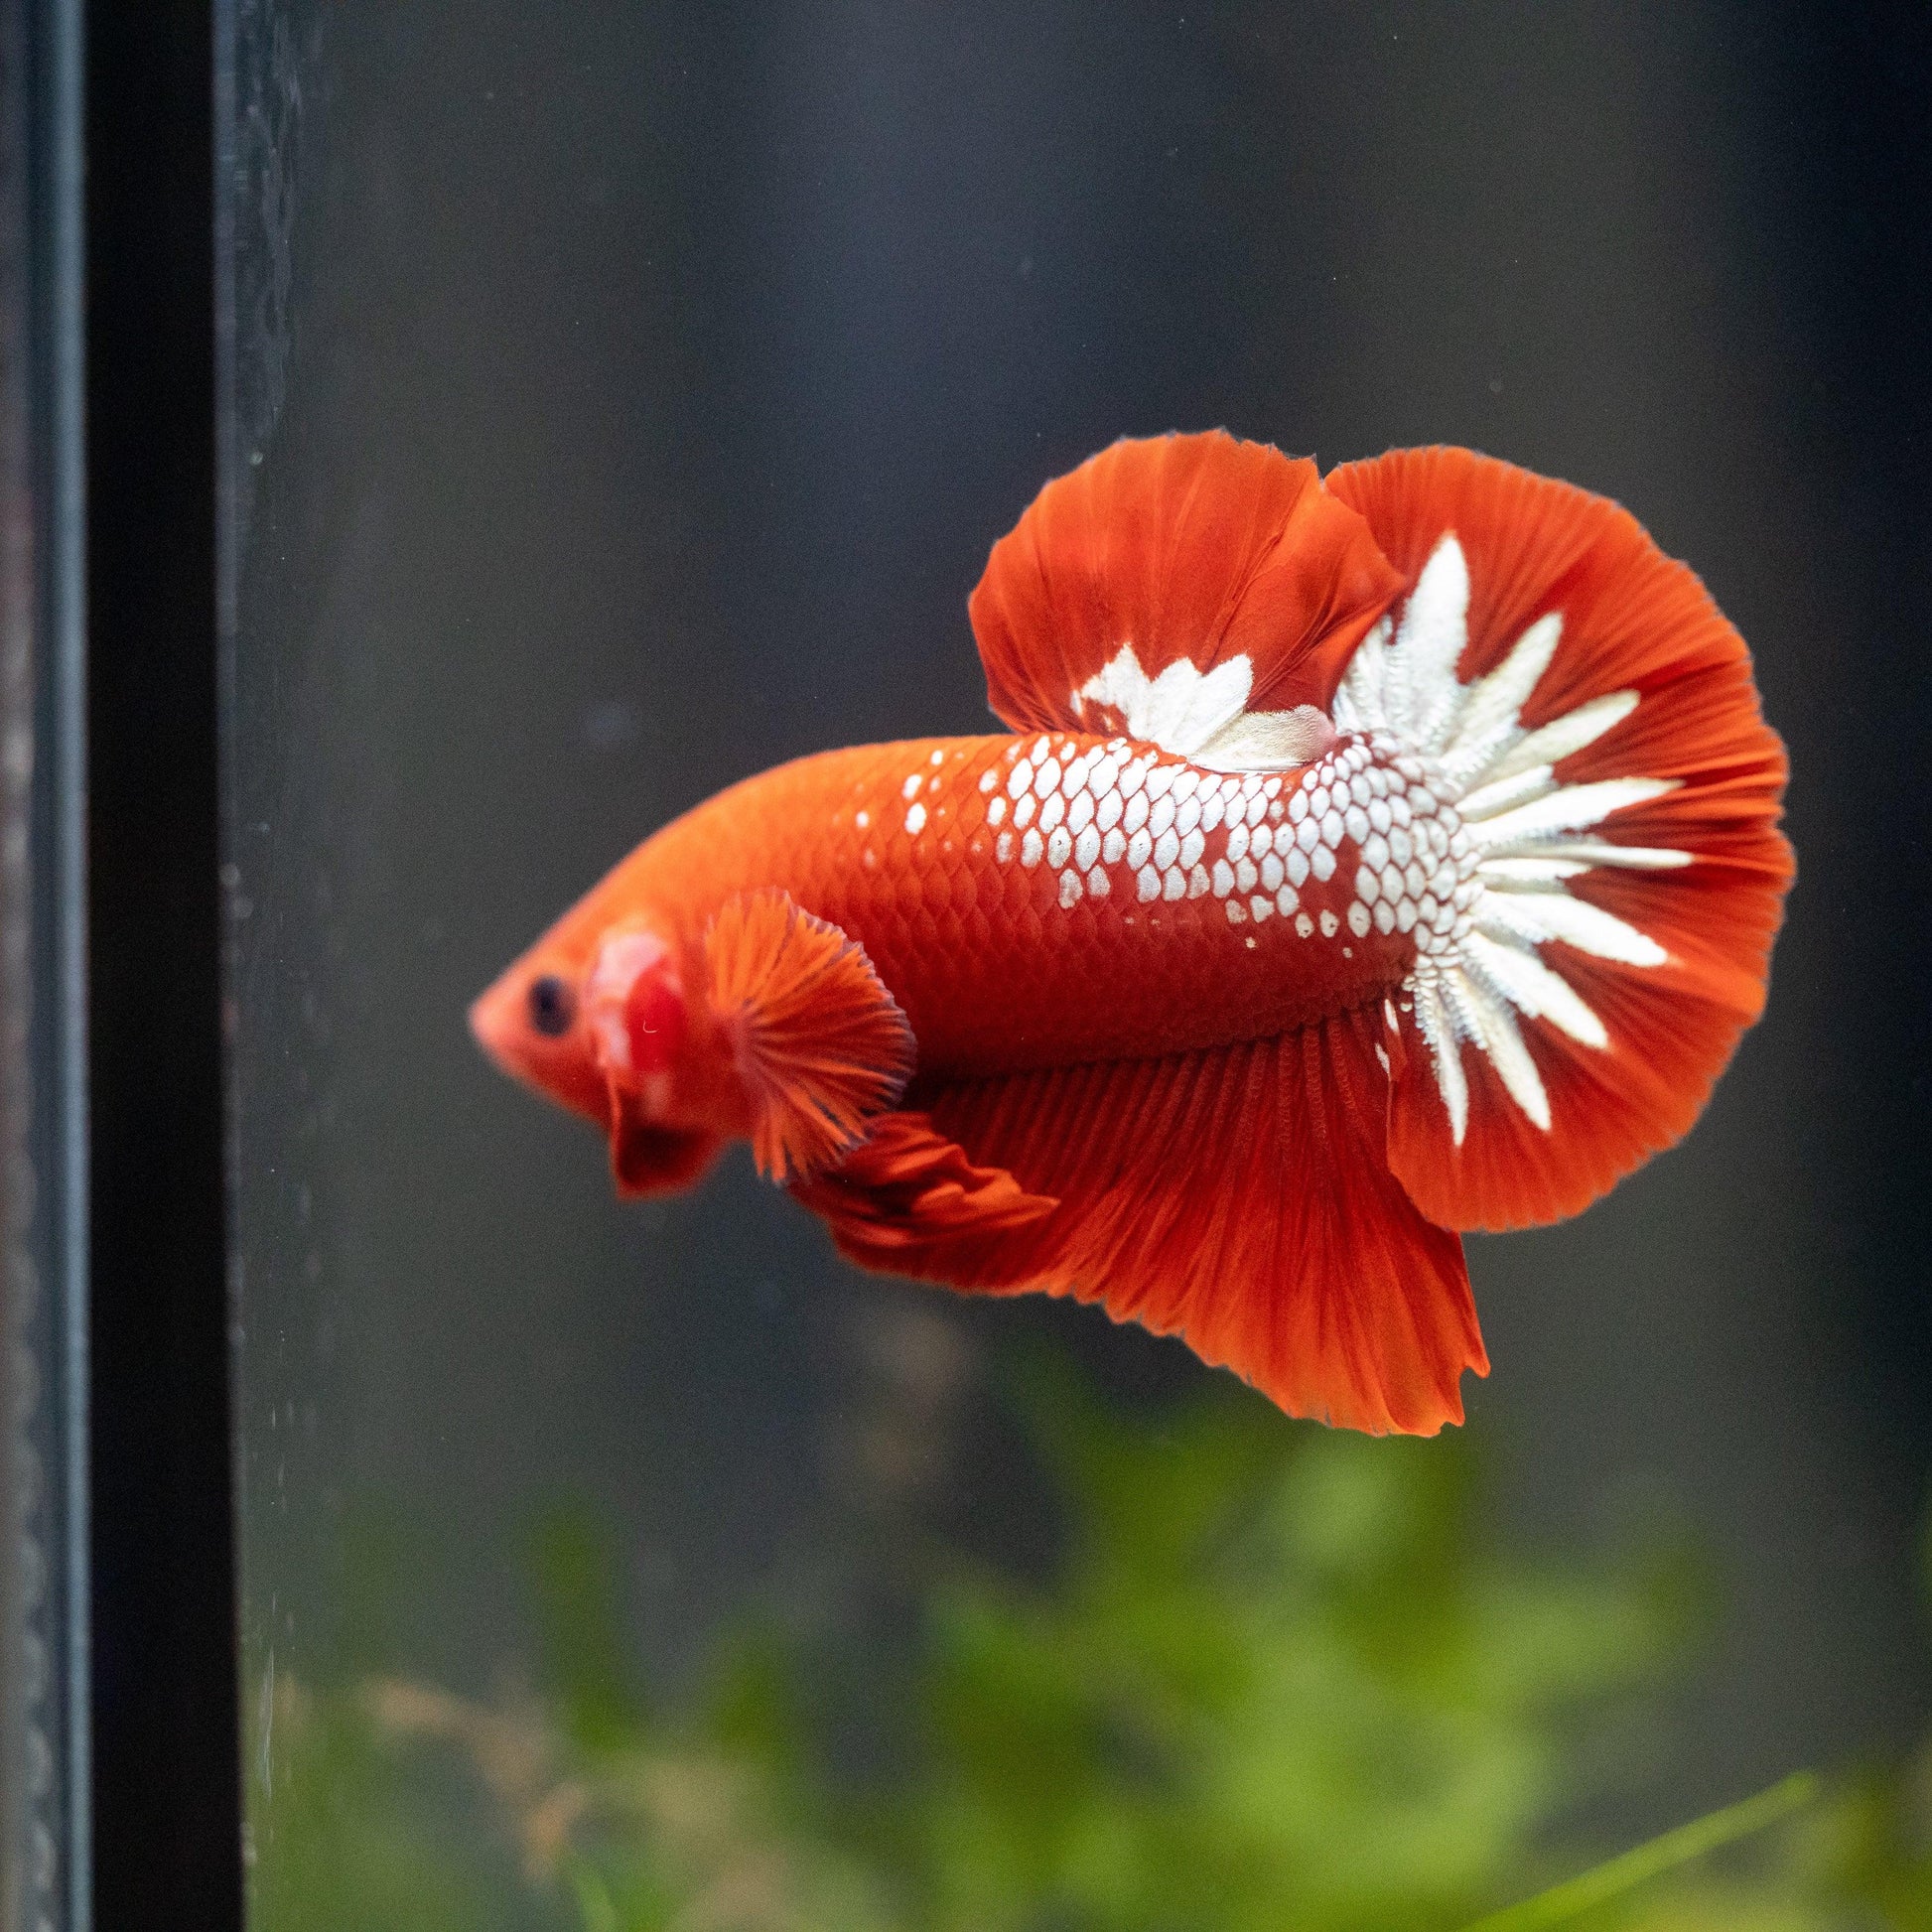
(625, 399)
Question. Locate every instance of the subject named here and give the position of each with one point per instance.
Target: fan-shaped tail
(1588, 718)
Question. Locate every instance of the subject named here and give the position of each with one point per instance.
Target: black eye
(552, 1005)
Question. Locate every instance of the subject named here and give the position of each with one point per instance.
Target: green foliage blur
(1276, 1678)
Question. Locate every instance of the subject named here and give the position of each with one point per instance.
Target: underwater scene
(1231, 1232)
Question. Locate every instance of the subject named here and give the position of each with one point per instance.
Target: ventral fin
(908, 1200)
(649, 1158)
(1181, 589)
(819, 1044)
(1241, 1199)
(1594, 720)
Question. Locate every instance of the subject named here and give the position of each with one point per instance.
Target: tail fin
(1240, 1198)
(1591, 717)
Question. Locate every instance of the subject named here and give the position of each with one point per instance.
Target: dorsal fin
(820, 1044)
(1197, 591)
(1588, 716)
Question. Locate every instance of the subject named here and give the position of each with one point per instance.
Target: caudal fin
(1588, 718)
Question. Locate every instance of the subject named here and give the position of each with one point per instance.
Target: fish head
(534, 1025)
(600, 1022)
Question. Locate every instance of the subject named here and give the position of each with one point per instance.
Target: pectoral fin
(820, 1044)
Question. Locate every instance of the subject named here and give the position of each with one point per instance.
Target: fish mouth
(495, 1015)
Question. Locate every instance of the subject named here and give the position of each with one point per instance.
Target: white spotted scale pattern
(1133, 807)
(1129, 816)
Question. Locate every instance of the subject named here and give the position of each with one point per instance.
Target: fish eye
(552, 1005)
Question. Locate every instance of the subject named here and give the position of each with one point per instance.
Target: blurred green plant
(1280, 1678)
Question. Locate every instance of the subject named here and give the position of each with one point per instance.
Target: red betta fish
(1369, 858)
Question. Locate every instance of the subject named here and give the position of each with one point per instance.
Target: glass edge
(224, 29)
(44, 1772)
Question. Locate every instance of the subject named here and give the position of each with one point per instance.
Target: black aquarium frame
(119, 1775)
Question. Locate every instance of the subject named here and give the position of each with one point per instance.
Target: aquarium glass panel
(621, 401)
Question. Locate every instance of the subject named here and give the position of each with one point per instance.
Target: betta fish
(1366, 859)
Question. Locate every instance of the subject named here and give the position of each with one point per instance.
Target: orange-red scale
(993, 970)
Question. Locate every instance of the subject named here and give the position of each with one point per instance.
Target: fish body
(1369, 859)
(1036, 901)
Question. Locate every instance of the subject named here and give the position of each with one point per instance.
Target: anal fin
(1240, 1198)
(819, 1041)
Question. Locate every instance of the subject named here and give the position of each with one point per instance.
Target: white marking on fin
(1469, 840)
